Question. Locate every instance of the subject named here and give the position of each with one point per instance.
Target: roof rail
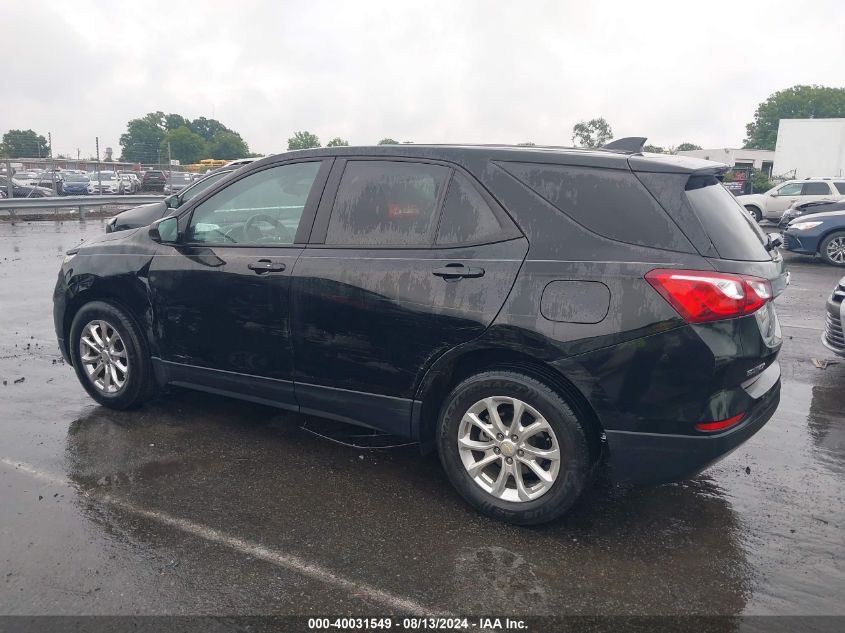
(627, 144)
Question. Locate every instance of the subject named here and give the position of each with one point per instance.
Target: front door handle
(457, 271)
(266, 266)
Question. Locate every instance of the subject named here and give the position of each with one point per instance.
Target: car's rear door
(817, 190)
(221, 295)
(388, 283)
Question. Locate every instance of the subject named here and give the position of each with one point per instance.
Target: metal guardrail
(69, 202)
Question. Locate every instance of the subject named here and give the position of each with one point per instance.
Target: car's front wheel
(513, 448)
(832, 248)
(754, 212)
(110, 356)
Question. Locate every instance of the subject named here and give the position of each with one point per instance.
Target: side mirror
(172, 202)
(165, 231)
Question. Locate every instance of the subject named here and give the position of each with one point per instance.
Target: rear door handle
(458, 271)
(266, 266)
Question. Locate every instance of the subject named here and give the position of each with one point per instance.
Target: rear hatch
(731, 242)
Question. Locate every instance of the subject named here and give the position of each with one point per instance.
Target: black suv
(153, 180)
(523, 311)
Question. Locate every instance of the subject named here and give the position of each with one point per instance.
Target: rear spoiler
(627, 145)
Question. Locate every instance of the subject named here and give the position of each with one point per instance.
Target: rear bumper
(660, 458)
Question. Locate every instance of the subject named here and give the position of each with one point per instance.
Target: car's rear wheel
(832, 248)
(513, 448)
(754, 212)
(110, 356)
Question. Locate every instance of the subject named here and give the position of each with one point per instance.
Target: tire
(832, 249)
(138, 383)
(754, 212)
(544, 500)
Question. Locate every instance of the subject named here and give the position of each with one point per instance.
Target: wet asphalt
(196, 504)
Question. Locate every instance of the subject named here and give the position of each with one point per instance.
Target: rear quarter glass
(609, 202)
(731, 230)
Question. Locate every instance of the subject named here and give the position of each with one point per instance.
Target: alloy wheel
(509, 449)
(103, 355)
(836, 250)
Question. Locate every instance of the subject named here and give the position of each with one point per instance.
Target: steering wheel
(253, 234)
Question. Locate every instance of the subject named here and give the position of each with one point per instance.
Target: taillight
(700, 296)
(721, 425)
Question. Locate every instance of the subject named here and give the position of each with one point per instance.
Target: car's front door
(221, 295)
(783, 197)
(389, 283)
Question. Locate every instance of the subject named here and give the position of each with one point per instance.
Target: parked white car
(771, 204)
(108, 180)
(131, 183)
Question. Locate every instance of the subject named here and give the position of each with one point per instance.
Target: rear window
(612, 203)
(733, 233)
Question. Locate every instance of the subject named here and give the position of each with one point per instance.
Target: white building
(809, 148)
(762, 159)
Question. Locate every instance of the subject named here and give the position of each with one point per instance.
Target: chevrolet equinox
(525, 312)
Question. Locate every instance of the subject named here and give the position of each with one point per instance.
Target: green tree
(337, 142)
(24, 144)
(654, 149)
(798, 102)
(206, 128)
(227, 145)
(760, 182)
(185, 146)
(173, 121)
(142, 140)
(592, 133)
(303, 140)
(687, 147)
(388, 141)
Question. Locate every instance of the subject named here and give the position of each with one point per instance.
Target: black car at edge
(526, 312)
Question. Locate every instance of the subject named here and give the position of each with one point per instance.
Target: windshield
(103, 176)
(202, 185)
(75, 178)
(181, 176)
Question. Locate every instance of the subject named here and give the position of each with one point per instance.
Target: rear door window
(386, 203)
(466, 217)
(840, 187)
(733, 233)
(815, 189)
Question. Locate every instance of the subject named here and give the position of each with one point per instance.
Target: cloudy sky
(423, 71)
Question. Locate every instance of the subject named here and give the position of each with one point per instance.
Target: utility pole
(10, 188)
(170, 162)
(52, 164)
(99, 175)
